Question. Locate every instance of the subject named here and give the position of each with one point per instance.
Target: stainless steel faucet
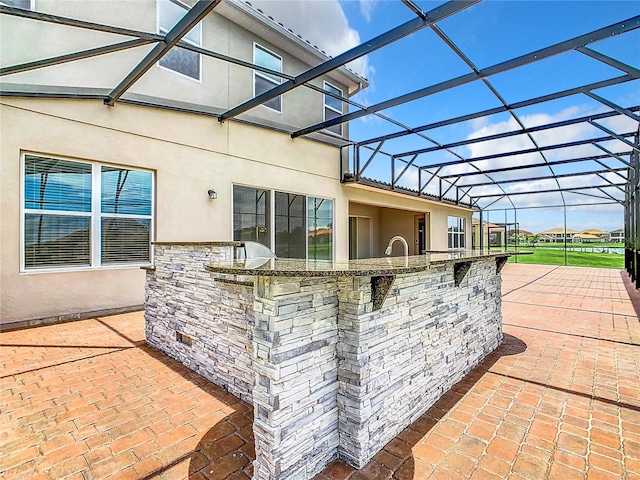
(404, 242)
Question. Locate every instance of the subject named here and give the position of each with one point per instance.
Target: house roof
(520, 232)
(586, 236)
(557, 230)
(476, 221)
(620, 230)
(594, 231)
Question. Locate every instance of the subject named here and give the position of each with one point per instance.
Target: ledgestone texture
(397, 361)
(182, 298)
(329, 374)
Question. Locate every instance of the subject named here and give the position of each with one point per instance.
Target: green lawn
(548, 256)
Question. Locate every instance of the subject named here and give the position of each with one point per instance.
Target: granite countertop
(211, 244)
(367, 267)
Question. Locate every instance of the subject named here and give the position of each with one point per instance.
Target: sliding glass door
(302, 225)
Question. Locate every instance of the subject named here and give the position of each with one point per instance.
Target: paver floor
(559, 399)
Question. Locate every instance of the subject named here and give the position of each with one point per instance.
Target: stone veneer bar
(336, 357)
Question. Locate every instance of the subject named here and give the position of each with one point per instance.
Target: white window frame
(339, 112)
(199, 44)
(31, 4)
(265, 77)
(272, 216)
(95, 215)
(460, 234)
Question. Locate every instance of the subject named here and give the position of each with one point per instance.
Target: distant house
(585, 238)
(617, 236)
(493, 234)
(514, 233)
(592, 236)
(557, 235)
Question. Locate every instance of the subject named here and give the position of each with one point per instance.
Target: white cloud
(565, 134)
(322, 22)
(367, 7)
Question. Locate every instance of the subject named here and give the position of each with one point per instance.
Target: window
(290, 214)
(320, 214)
(303, 226)
(125, 220)
(178, 59)
(251, 215)
(456, 232)
(332, 107)
(85, 214)
(263, 82)
(25, 4)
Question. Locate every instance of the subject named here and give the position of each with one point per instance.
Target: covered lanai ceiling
(485, 136)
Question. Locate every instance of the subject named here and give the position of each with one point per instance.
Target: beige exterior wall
(372, 213)
(398, 223)
(189, 154)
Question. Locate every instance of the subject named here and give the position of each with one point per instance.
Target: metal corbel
(612, 170)
(612, 184)
(452, 184)
(611, 196)
(594, 196)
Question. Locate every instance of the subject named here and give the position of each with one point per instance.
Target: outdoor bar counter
(336, 357)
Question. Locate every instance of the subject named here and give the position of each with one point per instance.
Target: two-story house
(592, 236)
(617, 236)
(557, 235)
(97, 165)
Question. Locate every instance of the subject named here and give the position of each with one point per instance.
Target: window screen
(66, 221)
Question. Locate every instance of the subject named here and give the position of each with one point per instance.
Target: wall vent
(182, 338)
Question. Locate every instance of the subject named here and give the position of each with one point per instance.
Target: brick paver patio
(560, 399)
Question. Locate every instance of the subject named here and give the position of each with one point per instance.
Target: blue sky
(488, 33)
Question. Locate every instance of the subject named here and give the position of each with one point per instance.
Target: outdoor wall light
(212, 194)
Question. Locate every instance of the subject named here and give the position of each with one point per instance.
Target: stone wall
(183, 304)
(331, 369)
(397, 361)
(295, 397)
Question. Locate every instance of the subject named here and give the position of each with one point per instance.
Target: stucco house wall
(187, 153)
